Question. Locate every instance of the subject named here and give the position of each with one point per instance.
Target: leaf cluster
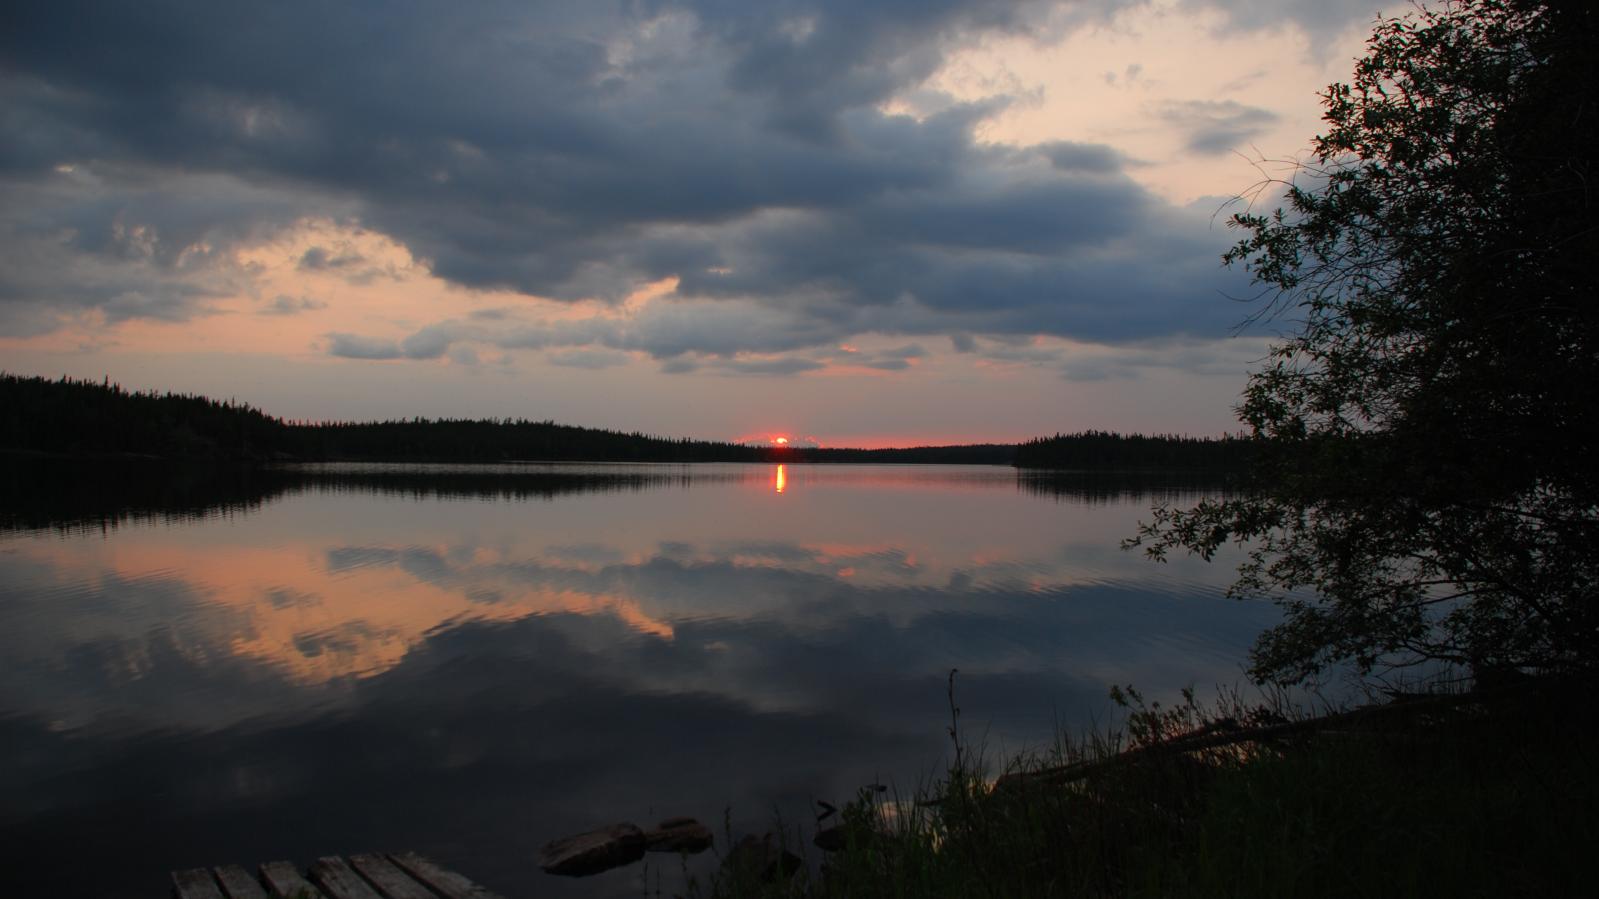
(1422, 480)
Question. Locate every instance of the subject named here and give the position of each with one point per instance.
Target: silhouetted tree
(1426, 477)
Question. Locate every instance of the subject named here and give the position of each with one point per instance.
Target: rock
(830, 839)
(679, 835)
(593, 852)
(836, 838)
(759, 859)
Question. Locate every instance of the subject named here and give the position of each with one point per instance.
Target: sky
(847, 222)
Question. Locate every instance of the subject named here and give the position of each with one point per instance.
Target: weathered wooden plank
(238, 884)
(336, 878)
(195, 883)
(448, 884)
(283, 880)
(390, 880)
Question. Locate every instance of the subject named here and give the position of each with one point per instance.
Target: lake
(228, 667)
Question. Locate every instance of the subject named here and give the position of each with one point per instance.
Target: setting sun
(780, 441)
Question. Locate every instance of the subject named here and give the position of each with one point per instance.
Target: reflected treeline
(39, 494)
(1109, 487)
(43, 494)
(499, 482)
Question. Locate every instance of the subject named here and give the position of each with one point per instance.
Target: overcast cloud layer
(579, 151)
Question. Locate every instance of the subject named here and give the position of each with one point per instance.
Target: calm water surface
(204, 669)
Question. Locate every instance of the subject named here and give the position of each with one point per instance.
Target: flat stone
(593, 852)
(684, 835)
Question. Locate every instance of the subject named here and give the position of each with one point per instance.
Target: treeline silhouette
(87, 419)
(1110, 451)
(84, 418)
(967, 454)
(69, 417)
(463, 440)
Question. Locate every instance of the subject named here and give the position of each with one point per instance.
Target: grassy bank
(1492, 793)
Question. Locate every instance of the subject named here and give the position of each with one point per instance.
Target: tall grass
(1475, 794)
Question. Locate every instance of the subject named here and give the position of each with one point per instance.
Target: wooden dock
(397, 875)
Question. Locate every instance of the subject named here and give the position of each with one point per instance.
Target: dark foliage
(1425, 480)
(1483, 793)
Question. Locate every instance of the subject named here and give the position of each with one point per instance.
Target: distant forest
(73, 418)
(1107, 450)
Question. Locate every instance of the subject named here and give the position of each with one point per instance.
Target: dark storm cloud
(1069, 156)
(354, 346)
(1204, 360)
(1319, 18)
(287, 305)
(348, 264)
(579, 151)
(1025, 354)
(895, 359)
(318, 259)
(783, 365)
(126, 242)
(662, 330)
(1216, 126)
(428, 343)
(432, 342)
(591, 359)
(810, 60)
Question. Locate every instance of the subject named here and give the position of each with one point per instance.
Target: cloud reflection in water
(470, 675)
